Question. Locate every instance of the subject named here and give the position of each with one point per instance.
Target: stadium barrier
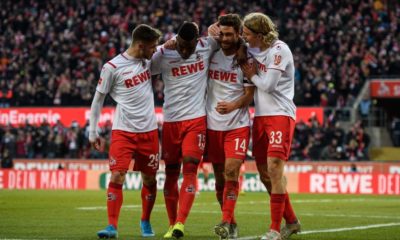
(305, 177)
(67, 115)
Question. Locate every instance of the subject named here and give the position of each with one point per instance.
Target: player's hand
(170, 44)
(249, 70)
(94, 140)
(225, 107)
(214, 31)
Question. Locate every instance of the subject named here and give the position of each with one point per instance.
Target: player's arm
(103, 87)
(267, 83)
(243, 101)
(95, 110)
(214, 31)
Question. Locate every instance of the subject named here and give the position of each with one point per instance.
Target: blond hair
(261, 24)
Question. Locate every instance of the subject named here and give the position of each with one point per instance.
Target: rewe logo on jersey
(137, 79)
(222, 76)
(187, 69)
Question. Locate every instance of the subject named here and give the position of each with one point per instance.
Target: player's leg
(280, 133)
(219, 182)
(147, 162)
(216, 155)
(192, 150)
(171, 153)
(235, 147)
(121, 150)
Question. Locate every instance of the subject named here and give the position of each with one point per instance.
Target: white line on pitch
(334, 230)
(239, 202)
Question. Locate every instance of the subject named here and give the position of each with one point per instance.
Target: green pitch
(80, 214)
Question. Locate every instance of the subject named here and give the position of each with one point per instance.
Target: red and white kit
(226, 131)
(185, 83)
(128, 81)
(275, 111)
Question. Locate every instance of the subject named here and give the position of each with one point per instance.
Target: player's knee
(172, 171)
(118, 177)
(231, 174)
(189, 168)
(275, 169)
(192, 160)
(149, 180)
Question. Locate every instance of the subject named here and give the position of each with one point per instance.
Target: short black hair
(145, 33)
(188, 31)
(231, 20)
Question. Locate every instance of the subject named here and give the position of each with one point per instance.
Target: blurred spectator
(312, 141)
(51, 52)
(6, 159)
(395, 131)
(364, 109)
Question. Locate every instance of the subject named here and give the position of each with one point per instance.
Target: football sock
(187, 192)
(289, 215)
(114, 202)
(149, 194)
(277, 207)
(231, 191)
(171, 193)
(219, 189)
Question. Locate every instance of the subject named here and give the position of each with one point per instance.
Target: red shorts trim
(142, 147)
(227, 144)
(183, 139)
(272, 137)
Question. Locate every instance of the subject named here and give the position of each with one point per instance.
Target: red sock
(231, 191)
(289, 215)
(114, 202)
(277, 205)
(187, 192)
(149, 194)
(219, 189)
(171, 193)
(241, 183)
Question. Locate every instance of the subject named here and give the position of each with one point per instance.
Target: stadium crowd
(312, 141)
(51, 52)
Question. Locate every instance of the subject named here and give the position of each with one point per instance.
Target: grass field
(80, 214)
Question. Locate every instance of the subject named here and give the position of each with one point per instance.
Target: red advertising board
(291, 167)
(54, 180)
(19, 116)
(349, 183)
(385, 88)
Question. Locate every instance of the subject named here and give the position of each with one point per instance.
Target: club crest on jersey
(100, 81)
(113, 162)
(111, 197)
(190, 189)
(198, 56)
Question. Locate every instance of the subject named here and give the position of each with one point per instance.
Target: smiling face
(253, 39)
(229, 37)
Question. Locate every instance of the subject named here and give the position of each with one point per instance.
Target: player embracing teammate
(228, 121)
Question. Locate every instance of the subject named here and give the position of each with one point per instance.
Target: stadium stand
(51, 53)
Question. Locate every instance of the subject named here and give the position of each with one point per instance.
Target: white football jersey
(128, 81)
(226, 83)
(280, 100)
(185, 80)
